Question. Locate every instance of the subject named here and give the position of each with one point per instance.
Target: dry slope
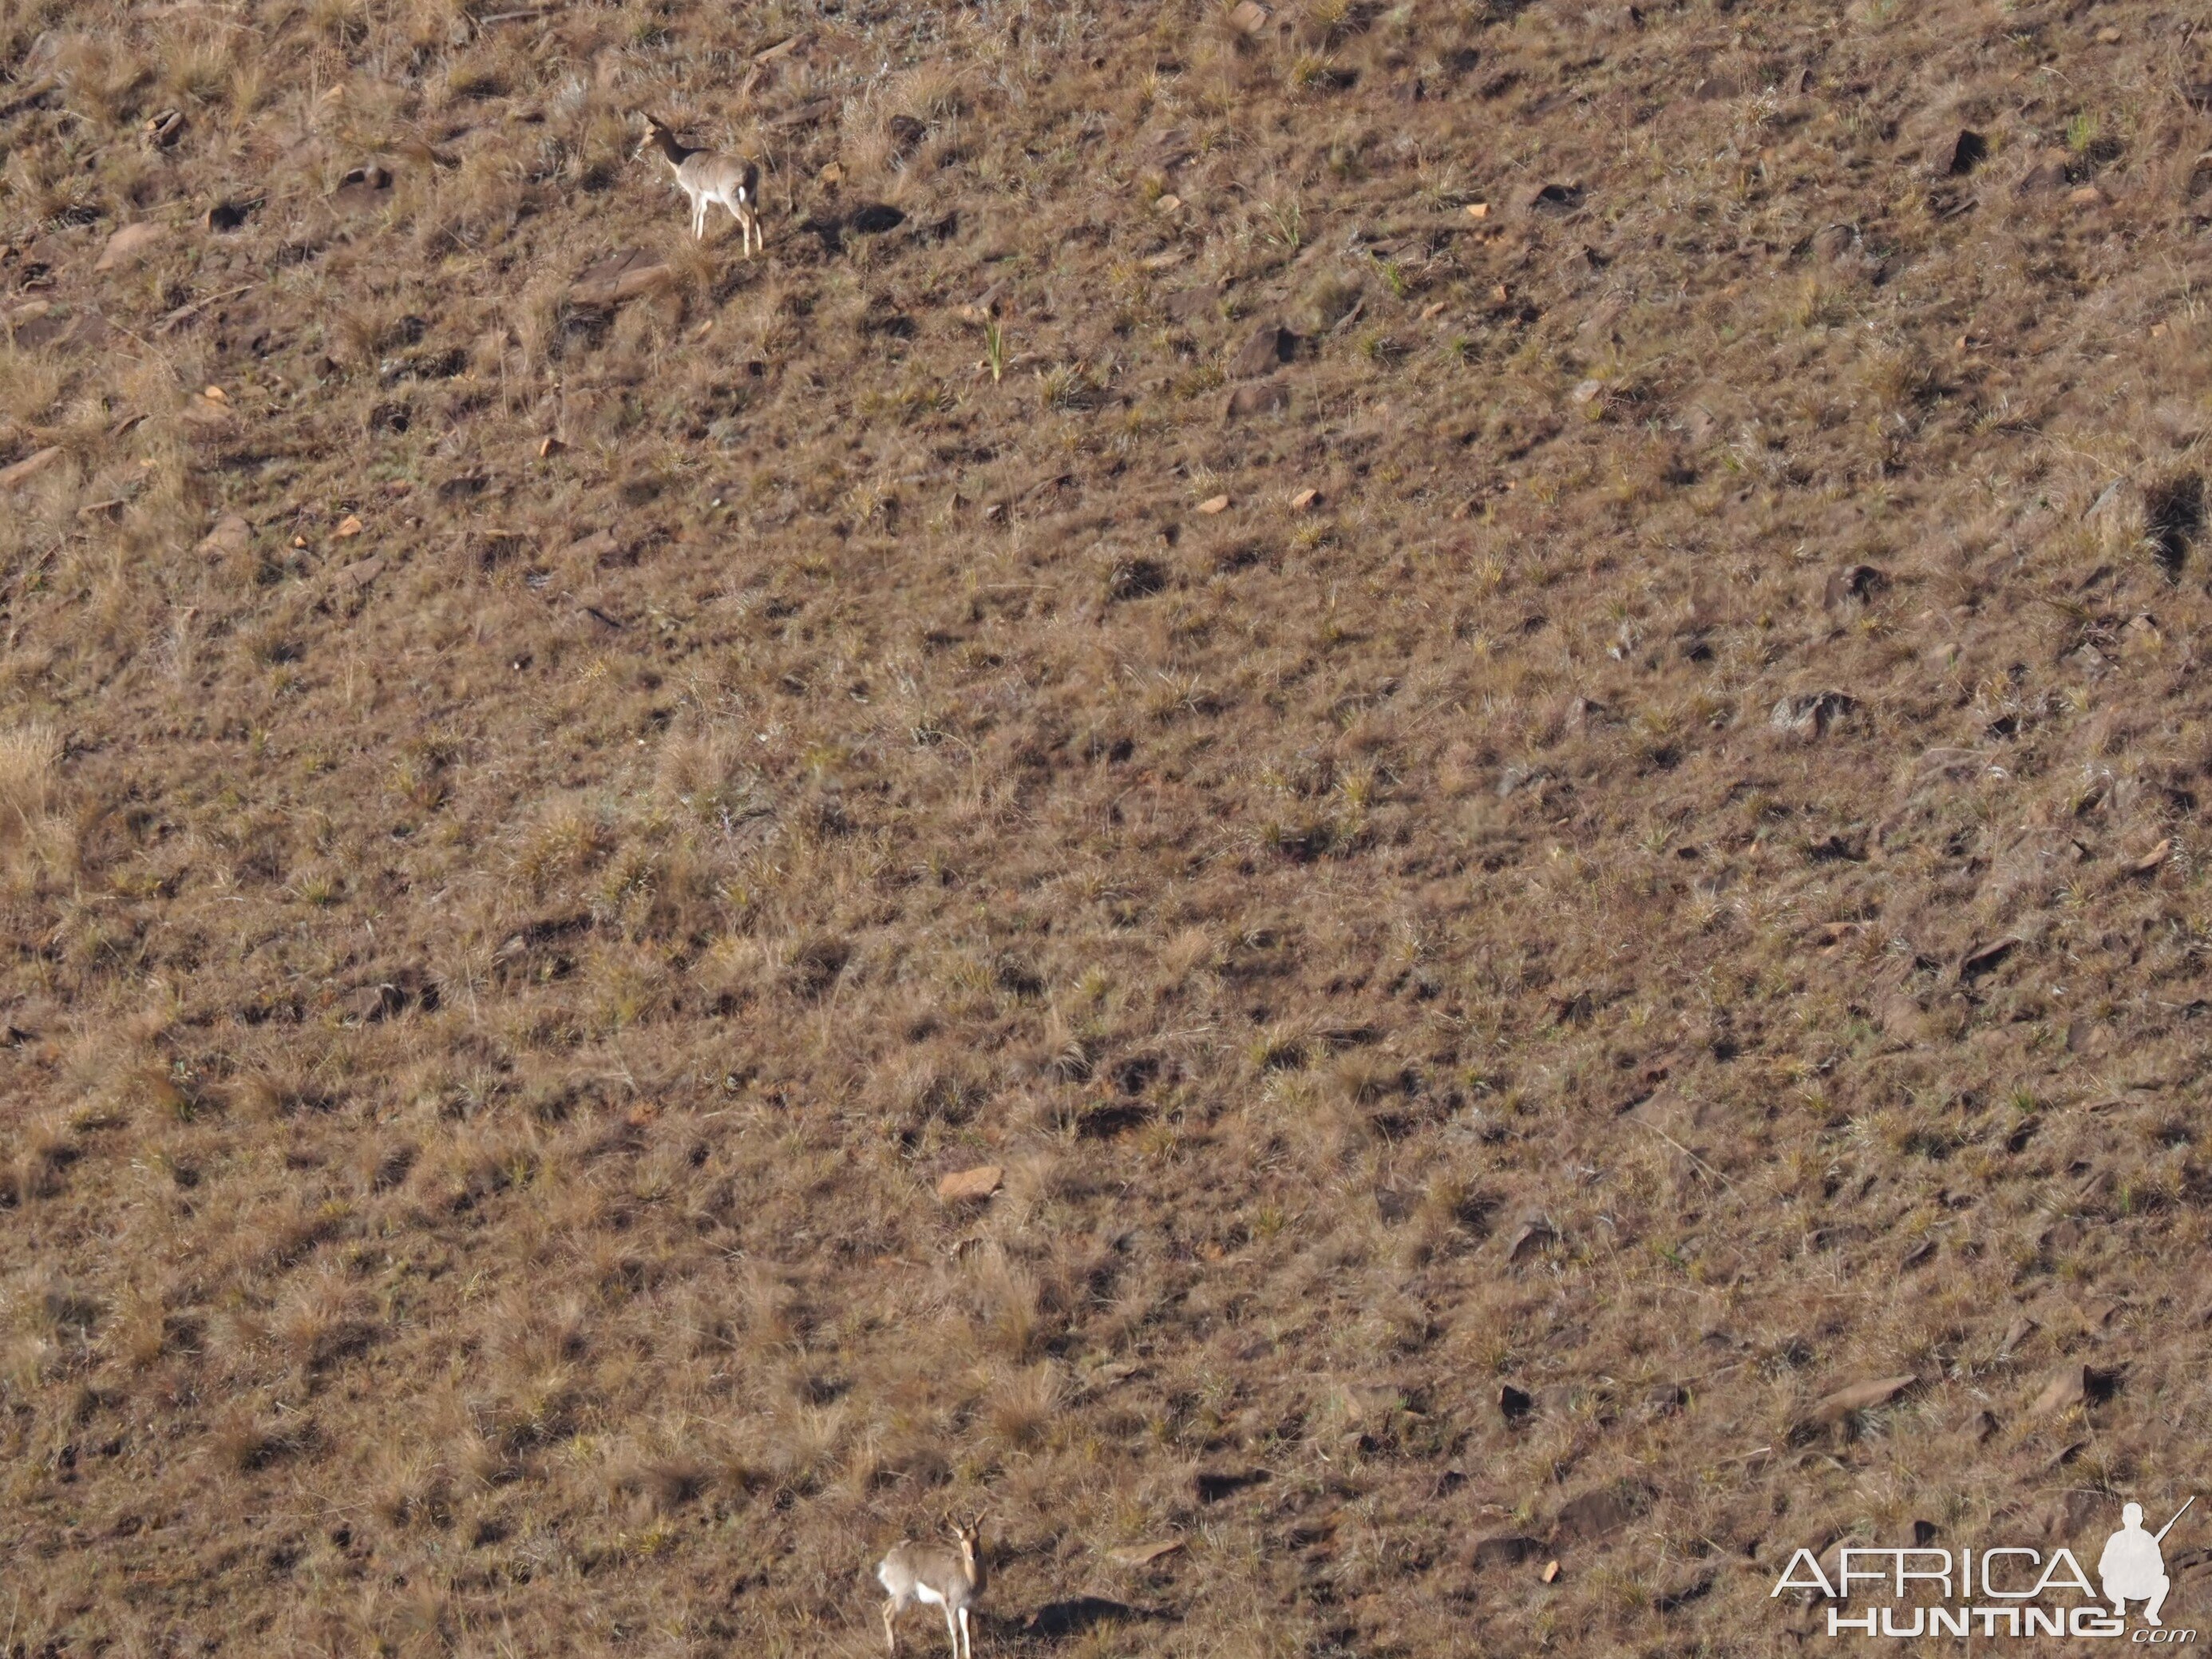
(1507, 695)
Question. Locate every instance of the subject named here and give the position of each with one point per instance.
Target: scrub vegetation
(1506, 696)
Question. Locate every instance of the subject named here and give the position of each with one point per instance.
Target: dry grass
(505, 943)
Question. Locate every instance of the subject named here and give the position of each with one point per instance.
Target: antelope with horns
(708, 177)
(951, 1578)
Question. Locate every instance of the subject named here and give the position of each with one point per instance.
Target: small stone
(971, 1186)
(1248, 17)
(363, 190)
(1901, 1019)
(370, 1003)
(1214, 504)
(2046, 175)
(1812, 714)
(2098, 1312)
(550, 446)
(230, 537)
(1533, 1236)
(1194, 304)
(1304, 500)
(361, 573)
(804, 114)
(833, 175)
(348, 526)
(1551, 1572)
(1434, 309)
(1865, 1397)
(1556, 197)
(1505, 1550)
(2021, 1328)
(1855, 584)
(30, 466)
(1592, 1514)
(623, 276)
(1260, 398)
(1167, 205)
(1588, 713)
(2071, 1386)
(1266, 351)
(2150, 860)
(131, 242)
(1477, 209)
(215, 394)
(1665, 1399)
(2086, 195)
(1957, 153)
(1586, 391)
(1983, 959)
(1138, 1555)
(597, 547)
(1212, 1485)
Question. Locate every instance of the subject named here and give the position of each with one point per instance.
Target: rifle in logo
(2178, 1513)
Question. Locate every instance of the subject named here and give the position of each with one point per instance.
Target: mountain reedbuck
(950, 1578)
(708, 177)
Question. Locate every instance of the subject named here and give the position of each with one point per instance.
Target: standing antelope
(950, 1578)
(708, 178)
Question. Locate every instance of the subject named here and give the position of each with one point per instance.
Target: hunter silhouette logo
(2132, 1569)
(1995, 1590)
